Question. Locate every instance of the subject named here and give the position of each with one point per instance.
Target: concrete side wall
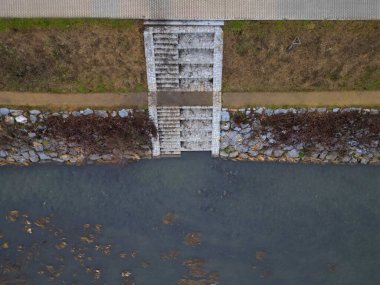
(194, 9)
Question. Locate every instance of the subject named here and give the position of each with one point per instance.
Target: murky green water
(259, 223)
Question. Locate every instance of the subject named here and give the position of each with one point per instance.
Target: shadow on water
(170, 221)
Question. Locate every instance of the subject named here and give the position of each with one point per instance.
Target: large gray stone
(268, 152)
(33, 118)
(3, 153)
(123, 113)
(43, 156)
(225, 126)
(280, 111)
(75, 113)
(4, 111)
(94, 157)
(34, 112)
(21, 119)
(243, 155)
(223, 154)
(107, 157)
(101, 113)
(278, 153)
(87, 112)
(34, 158)
(259, 110)
(16, 113)
(253, 153)
(331, 156)
(225, 116)
(9, 120)
(294, 153)
(269, 112)
(234, 154)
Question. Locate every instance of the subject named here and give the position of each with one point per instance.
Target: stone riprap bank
(314, 135)
(256, 134)
(27, 142)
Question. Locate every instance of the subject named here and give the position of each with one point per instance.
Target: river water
(180, 220)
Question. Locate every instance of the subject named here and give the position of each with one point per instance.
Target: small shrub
(239, 118)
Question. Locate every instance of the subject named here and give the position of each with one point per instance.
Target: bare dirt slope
(333, 55)
(89, 57)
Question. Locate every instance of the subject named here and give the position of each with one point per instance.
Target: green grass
(373, 85)
(139, 87)
(22, 24)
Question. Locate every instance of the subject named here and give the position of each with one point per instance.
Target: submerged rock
(12, 216)
(193, 239)
(168, 219)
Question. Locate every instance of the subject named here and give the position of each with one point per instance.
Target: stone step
(167, 86)
(205, 46)
(168, 124)
(166, 57)
(165, 51)
(195, 117)
(196, 146)
(165, 36)
(170, 147)
(196, 107)
(173, 42)
(205, 131)
(168, 108)
(189, 140)
(164, 130)
(175, 114)
(169, 113)
(168, 71)
(167, 80)
(188, 113)
(168, 119)
(165, 46)
(167, 76)
(166, 62)
(170, 153)
(162, 126)
(169, 134)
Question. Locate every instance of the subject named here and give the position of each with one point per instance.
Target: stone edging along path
(313, 135)
(28, 143)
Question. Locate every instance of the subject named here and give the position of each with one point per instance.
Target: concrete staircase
(169, 130)
(184, 56)
(184, 129)
(196, 128)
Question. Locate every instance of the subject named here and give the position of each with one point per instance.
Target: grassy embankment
(333, 55)
(87, 55)
(72, 55)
